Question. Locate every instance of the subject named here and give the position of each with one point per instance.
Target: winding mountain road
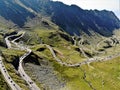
(31, 84)
(87, 61)
(29, 81)
(7, 77)
(8, 42)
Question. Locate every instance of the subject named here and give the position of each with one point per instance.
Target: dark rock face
(14, 12)
(72, 18)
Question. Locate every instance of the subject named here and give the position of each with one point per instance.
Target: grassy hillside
(3, 84)
(43, 68)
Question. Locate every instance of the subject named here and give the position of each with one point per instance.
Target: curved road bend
(29, 81)
(64, 63)
(90, 60)
(8, 42)
(31, 84)
(7, 77)
(57, 59)
(13, 41)
(60, 62)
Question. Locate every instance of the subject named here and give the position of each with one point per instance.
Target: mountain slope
(57, 59)
(14, 12)
(72, 19)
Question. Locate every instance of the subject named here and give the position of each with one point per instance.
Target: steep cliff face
(72, 18)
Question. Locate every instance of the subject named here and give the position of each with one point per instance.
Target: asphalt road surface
(7, 77)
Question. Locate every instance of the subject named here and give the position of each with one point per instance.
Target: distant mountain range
(71, 19)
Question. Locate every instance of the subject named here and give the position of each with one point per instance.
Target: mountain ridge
(72, 19)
